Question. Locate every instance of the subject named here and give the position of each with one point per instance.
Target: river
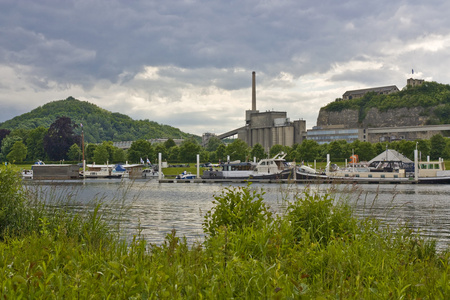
(154, 209)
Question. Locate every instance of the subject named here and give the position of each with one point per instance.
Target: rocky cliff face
(374, 118)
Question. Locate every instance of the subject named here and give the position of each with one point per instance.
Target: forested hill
(431, 99)
(98, 124)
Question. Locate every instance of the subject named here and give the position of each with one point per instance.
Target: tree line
(60, 142)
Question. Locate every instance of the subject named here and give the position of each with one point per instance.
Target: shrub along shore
(315, 249)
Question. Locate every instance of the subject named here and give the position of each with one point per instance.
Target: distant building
(414, 82)
(328, 134)
(384, 90)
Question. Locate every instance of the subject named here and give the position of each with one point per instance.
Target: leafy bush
(319, 217)
(235, 209)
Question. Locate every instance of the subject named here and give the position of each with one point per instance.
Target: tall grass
(316, 248)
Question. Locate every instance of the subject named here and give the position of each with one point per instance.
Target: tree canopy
(59, 138)
(98, 124)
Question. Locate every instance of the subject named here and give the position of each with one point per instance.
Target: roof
(391, 155)
(377, 90)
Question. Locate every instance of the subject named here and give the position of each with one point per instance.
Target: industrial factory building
(267, 128)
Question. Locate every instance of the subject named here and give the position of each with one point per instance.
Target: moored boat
(388, 167)
(186, 176)
(267, 168)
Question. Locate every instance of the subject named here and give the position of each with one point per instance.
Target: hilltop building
(414, 82)
(378, 90)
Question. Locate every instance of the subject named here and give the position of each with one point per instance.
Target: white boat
(186, 175)
(151, 173)
(388, 167)
(267, 168)
(104, 171)
(27, 174)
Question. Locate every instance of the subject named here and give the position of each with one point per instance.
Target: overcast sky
(189, 63)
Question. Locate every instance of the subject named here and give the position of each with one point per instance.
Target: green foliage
(119, 155)
(236, 209)
(258, 152)
(438, 144)
(18, 152)
(90, 149)
(276, 149)
(140, 149)
(169, 143)
(35, 143)
(238, 150)
(74, 153)
(213, 144)
(13, 209)
(318, 219)
(98, 124)
(189, 150)
(7, 144)
(59, 138)
(307, 151)
(220, 152)
(101, 155)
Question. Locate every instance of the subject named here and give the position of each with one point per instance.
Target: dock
(291, 181)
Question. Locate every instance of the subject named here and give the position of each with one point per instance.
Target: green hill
(99, 124)
(433, 97)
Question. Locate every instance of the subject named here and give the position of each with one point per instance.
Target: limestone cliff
(350, 118)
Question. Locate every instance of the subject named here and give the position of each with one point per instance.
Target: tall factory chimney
(253, 91)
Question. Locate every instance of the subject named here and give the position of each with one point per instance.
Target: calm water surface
(155, 209)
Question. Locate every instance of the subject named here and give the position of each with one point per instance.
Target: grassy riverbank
(315, 249)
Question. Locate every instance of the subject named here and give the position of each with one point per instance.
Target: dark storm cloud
(202, 49)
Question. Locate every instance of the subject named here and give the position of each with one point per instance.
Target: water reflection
(155, 209)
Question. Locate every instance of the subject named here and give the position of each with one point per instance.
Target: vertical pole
(416, 166)
(159, 166)
(198, 165)
(328, 164)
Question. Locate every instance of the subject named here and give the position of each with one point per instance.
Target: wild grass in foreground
(315, 249)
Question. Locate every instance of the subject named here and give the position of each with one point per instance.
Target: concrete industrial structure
(267, 128)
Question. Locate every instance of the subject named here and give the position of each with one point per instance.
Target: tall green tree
(140, 149)
(258, 152)
(307, 151)
(18, 152)
(35, 143)
(169, 143)
(119, 155)
(365, 151)
(275, 149)
(74, 153)
(438, 144)
(213, 143)
(89, 153)
(159, 148)
(60, 137)
(238, 150)
(423, 146)
(173, 154)
(220, 152)
(101, 155)
(189, 150)
(7, 144)
(4, 133)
